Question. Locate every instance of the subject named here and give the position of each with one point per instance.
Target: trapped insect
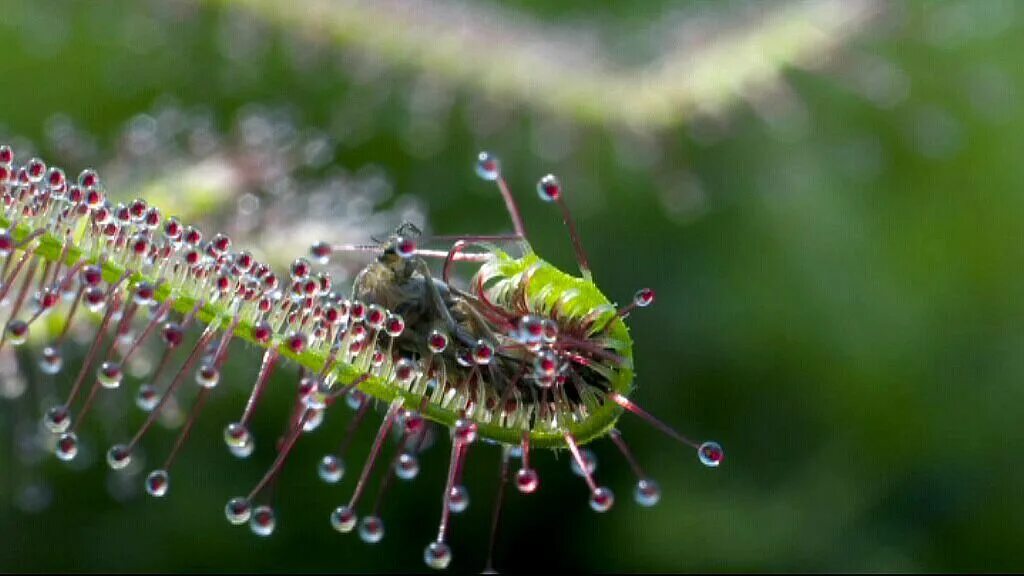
(521, 354)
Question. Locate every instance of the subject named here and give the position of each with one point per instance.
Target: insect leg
(442, 308)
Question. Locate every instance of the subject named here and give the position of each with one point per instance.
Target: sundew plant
(510, 285)
(522, 355)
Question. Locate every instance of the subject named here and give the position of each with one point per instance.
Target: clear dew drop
(711, 454)
(316, 399)
(602, 499)
(549, 188)
(458, 499)
(405, 247)
(413, 422)
(300, 269)
(527, 480)
(6, 243)
(644, 297)
(331, 469)
(465, 430)
(95, 298)
(118, 457)
(589, 458)
(35, 169)
(437, 555)
(124, 341)
(109, 375)
(45, 300)
(354, 400)
(321, 252)
(262, 521)
(147, 398)
(243, 451)
(647, 492)
(545, 364)
(57, 419)
(172, 334)
(483, 352)
(51, 361)
(549, 331)
(407, 467)
(530, 329)
(238, 511)
(371, 529)
(488, 166)
(144, 294)
(357, 311)
(207, 376)
(343, 519)
(394, 325)
(544, 381)
(157, 483)
(17, 332)
(88, 178)
(405, 372)
(375, 316)
(314, 418)
(437, 341)
(237, 436)
(67, 446)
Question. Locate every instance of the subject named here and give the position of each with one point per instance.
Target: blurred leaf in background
(825, 195)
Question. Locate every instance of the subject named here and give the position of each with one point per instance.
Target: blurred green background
(836, 252)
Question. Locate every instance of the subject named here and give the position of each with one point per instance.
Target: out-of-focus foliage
(836, 262)
(644, 74)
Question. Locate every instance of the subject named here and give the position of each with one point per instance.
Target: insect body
(530, 345)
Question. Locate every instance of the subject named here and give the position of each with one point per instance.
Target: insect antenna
(711, 454)
(323, 251)
(477, 257)
(475, 238)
